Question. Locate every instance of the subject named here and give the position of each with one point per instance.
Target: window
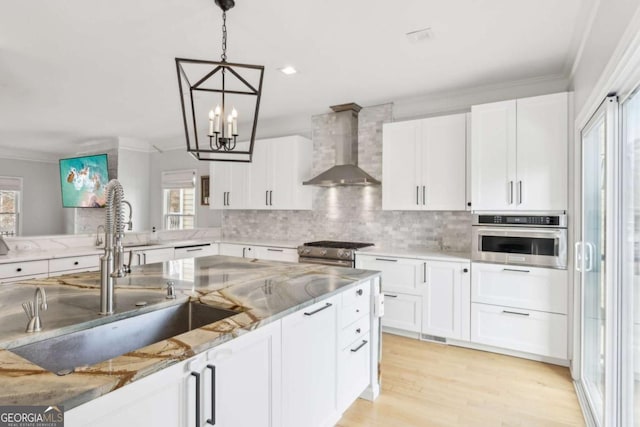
(10, 190)
(179, 188)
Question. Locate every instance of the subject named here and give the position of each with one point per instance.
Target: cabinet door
(403, 275)
(445, 298)
(444, 163)
(158, 400)
(220, 184)
(542, 152)
(309, 353)
(401, 189)
(259, 173)
(530, 331)
(493, 156)
(239, 184)
(242, 251)
(402, 311)
(244, 375)
(276, 254)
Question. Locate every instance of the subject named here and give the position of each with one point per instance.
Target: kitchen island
(265, 295)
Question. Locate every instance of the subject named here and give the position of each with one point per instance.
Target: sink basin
(64, 353)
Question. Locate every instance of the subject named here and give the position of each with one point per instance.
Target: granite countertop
(422, 253)
(259, 291)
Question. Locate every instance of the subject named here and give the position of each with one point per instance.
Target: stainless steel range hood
(346, 170)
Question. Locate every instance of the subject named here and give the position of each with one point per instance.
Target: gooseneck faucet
(98, 237)
(112, 262)
(32, 309)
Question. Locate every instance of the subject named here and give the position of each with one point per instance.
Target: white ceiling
(78, 70)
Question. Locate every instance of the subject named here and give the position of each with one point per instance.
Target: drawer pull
(386, 259)
(197, 376)
(364, 342)
(318, 310)
(275, 250)
(391, 296)
(194, 250)
(359, 292)
(514, 312)
(516, 270)
(358, 331)
(76, 263)
(19, 269)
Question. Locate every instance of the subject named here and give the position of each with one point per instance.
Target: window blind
(10, 183)
(179, 179)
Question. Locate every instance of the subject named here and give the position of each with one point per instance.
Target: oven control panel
(527, 220)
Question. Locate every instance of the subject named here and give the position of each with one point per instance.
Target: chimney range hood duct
(346, 171)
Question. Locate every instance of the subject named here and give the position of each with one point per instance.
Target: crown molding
(28, 155)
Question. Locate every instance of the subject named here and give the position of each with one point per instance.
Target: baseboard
(584, 405)
(507, 352)
(371, 393)
(394, 331)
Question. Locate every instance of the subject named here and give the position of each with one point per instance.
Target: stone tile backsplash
(353, 213)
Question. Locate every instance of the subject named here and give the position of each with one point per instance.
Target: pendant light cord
(224, 36)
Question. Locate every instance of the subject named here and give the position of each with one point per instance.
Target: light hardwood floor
(427, 384)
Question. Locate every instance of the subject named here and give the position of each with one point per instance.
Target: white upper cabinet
(273, 180)
(519, 154)
(229, 185)
(279, 166)
(424, 164)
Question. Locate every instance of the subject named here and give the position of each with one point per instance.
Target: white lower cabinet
(158, 400)
(520, 308)
(517, 329)
(403, 275)
(60, 266)
(240, 382)
(276, 254)
(446, 297)
(309, 349)
(402, 311)
(17, 271)
(239, 250)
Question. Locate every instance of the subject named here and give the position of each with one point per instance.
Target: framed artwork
(204, 190)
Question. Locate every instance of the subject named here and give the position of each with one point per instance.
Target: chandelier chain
(224, 36)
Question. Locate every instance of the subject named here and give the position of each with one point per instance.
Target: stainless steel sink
(64, 353)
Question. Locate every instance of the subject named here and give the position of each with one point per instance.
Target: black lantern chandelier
(213, 95)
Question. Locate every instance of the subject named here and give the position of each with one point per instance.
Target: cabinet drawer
(87, 262)
(195, 251)
(402, 311)
(542, 289)
(530, 331)
(276, 254)
(357, 330)
(27, 268)
(353, 372)
(357, 295)
(351, 313)
(398, 274)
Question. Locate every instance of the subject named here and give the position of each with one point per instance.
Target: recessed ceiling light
(420, 35)
(289, 70)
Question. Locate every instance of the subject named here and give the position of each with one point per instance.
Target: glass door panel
(591, 261)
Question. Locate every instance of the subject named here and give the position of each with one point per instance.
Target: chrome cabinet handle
(266, 198)
(243, 250)
(275, 250)
(228, 198)
(417, 195)
(424, 265)
(271, 198)
(519, 192)
(197, 376)
(510, 192)
(194, 250)
(212, 420)
(364, 342)
(318, 310)
(516, 271)
(359, 292)
(514, 312)
(391, 296)
(386, 259)
(424, 199)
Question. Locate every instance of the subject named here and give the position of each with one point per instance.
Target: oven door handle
(324, 261)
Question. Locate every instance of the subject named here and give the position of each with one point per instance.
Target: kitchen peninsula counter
(259, 291)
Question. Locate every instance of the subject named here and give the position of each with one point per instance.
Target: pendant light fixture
(214, 95)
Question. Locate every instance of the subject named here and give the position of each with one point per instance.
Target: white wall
(42, 211)
(610, 22)
(173, 160)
